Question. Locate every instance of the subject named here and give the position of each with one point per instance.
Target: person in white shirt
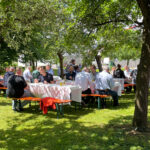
(127, 74)
(84, 80)
(49, 70)
(27, 74)
(104, 83)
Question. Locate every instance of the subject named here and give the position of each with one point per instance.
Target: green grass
(85, 129)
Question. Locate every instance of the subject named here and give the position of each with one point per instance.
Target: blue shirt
(104, 81)
(50, 71)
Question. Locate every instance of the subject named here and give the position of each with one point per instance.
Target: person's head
(76, 68)
(126, 68)
(93, 68)
(11, 69)
(7, 69)
(119, 66)
(113, 68)
(86, 69)
(29, 68)
(42, 70)
(48, 67)
(71, 69)
(19, 71)
(106, 68)
(38, 68)
(73, 61)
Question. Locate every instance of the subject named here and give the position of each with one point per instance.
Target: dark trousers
(86, 99)
(112, 93)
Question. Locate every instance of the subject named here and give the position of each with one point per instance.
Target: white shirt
(84, 80)
(27, 75)
(104, 81)
(127, 73)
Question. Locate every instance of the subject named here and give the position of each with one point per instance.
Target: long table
(64, 92)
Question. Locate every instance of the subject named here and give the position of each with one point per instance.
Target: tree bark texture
(99, 63)
(61, 58)
(143, 76)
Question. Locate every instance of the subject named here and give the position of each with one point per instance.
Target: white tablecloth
(65, 92)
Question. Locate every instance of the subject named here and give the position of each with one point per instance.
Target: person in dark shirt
(71, 74)
(44, 77)
(118, 73)
(16, 89)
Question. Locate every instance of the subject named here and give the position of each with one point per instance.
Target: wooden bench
(59, 103)
(97, 95)
(4, 89)
(59, 106)
(127, 85)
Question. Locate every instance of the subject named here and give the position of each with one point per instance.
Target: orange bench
(3, 88)
(97, 95)
(127, 85)
(59, 103)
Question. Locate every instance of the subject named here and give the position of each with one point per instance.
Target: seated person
(127, 74)
(35, 74)
(93, 72)
(16, 89)
(71, 74)
(8, 74)
(44, 76)
(134, 76)
(104, 83)
(49, 70)
(84, 80)
(27, 74)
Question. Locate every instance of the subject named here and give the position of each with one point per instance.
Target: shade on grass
(85, 129)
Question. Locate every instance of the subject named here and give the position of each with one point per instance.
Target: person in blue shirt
(104, 84)
(49, 70)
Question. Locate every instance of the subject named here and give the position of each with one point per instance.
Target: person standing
(104, 83)
(118, 73)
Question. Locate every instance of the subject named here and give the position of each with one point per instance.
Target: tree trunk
(33, 64)
(61, 58)
(99, 63)
(143, 76)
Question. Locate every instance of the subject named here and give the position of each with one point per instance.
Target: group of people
(16, 82)
(88, 79)
(128, 74)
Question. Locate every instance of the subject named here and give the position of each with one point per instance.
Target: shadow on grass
(72, 135)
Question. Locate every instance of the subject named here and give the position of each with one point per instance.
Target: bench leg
(61, 110)
(99, 103)
(57, 108)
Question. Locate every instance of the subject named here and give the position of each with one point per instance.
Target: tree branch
(110, 21)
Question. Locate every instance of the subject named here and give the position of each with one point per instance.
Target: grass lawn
(85, 129)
